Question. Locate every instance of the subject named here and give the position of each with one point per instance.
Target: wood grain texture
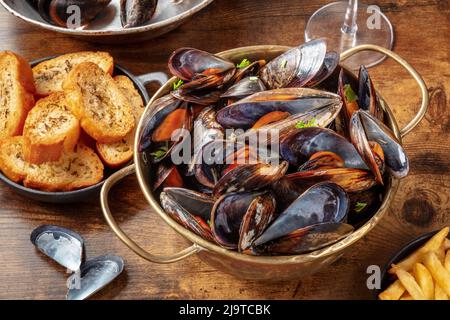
(422, 203)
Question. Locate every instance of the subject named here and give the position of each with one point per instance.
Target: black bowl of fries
(420, 270)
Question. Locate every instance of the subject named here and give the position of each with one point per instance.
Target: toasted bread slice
(12, 161)
(50, 130)
(50, 75)
(16, 93)
(115, 155)
(79, 169)
(96, 100)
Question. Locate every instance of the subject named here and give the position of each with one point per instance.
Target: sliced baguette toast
(115, 155)
(16, 93)
(12, 160)
(50, 130)
(96, 100)
(79, 169)
(50, 75)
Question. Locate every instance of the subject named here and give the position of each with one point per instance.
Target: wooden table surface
(422, 203)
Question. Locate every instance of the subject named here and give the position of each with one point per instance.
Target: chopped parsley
(349, 94)
(284, 63)
(253, 78)
(244, 64)
(311, 123)
(161, 152)
(360, 206)
(177, 84)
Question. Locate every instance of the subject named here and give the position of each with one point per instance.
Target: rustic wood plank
(422, 203)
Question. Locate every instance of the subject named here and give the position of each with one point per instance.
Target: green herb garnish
(311, 123)
(244, 64)
(253, 78)
(177, 84)
(284, 63)
(360, 206)
(161, 152)
(349, 94)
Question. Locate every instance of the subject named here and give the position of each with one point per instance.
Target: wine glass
(346, 25)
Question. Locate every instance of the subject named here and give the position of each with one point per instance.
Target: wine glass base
(373, 28)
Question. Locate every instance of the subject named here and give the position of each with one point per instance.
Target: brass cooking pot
(237, 264)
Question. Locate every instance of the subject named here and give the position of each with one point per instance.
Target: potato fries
(423, 275)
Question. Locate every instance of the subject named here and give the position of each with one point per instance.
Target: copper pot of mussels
(320, 177)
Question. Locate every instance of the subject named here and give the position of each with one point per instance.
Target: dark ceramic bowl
(386, 278)
(92, 191)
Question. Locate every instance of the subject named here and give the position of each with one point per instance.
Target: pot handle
(109, 183)
(423, 88)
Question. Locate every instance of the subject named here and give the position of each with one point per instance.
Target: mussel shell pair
(67, 248)
(56, 11)
(306, 65)
(134, 13)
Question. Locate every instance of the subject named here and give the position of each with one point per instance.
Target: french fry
(425, 280)
(393, 292)
(447, 261)
(410, 284)
(437, 270)
(406, 296)
(439, 294)
(447, 244)
(431, 245)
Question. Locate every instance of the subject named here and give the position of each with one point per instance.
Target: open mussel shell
(57, 13)
(259, 215)
(322, 203)
(322, 160)
(62, 245)
(162, 107)
(364, 128)
(251, 70)
(307, 239)
(246, 112)
(186, 213)
(296, 67)
(134, 13)
(299, 145)
(350, 179)
(247, 177)
(188, 63)
(244, 88)
(229, 212)
(167, 176)
(194, 202)
(204, 98)
(95, 275)
(329, 65)
(367, 95)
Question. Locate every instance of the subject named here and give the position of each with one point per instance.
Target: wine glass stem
(350, 27)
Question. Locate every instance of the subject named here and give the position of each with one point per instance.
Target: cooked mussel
(322, 203)
(322, 160)
(295, 101)
(62, 245)
(134, 13)
(57, 11)
(366, 131)
(296, 67)
(298, 146)
(306, 239)
(244, 88)
(167, 176)
(367, 96)
(188, 208)
(232, 209)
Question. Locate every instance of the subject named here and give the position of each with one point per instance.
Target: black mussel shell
(135, 13)
(196, 203)
(367, 95)
(95, 275)
(244, 88)
(307, 239)
(322, 203)
(62, 245)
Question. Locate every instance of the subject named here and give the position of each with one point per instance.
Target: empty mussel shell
(62, 245)
(322, 203)
(134, 13)
(94, 275)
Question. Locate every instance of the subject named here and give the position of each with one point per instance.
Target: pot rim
(391, 187)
